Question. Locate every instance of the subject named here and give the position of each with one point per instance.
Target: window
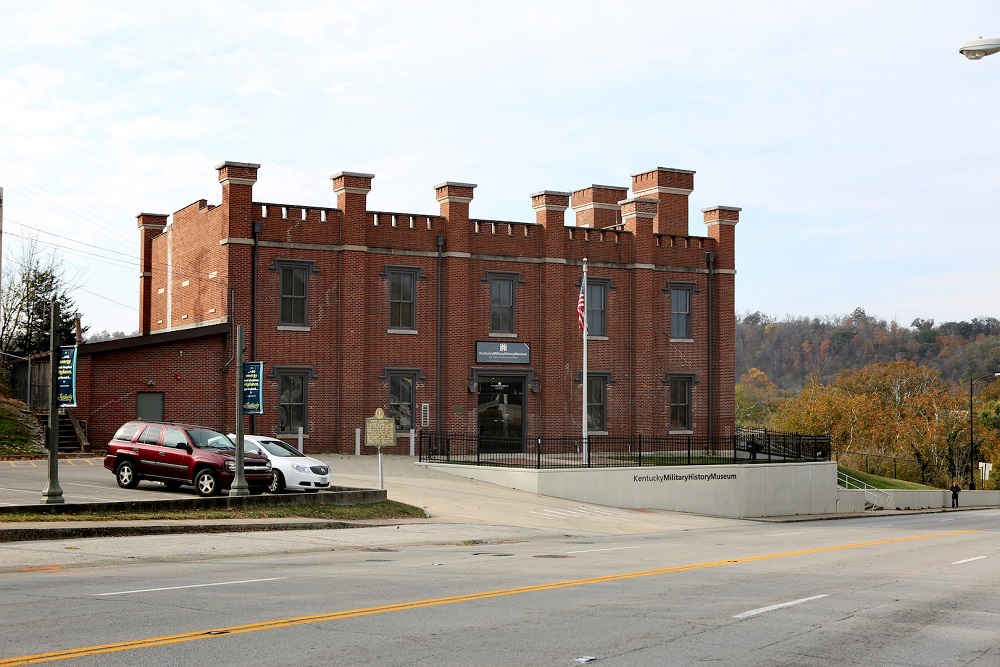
(174, 437)
(401, 401)
(402, 296)
(597, 306)
(502, 300)
(293, 295)
(293, 291)
(151, 436)
(680, 403)
(680, 310)
(597, 403)
(293, 391)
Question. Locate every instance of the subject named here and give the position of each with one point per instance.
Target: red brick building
(448, 322)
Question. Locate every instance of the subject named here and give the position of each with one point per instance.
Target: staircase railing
(878, 496)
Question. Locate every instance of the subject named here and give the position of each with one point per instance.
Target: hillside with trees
(895, 400)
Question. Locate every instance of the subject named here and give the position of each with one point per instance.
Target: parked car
(181, 454)
(290, 469)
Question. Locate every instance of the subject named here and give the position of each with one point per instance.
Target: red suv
(178, 454)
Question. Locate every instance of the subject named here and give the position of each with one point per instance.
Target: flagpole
(583, 414)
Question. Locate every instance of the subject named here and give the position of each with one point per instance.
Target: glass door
(501, 414)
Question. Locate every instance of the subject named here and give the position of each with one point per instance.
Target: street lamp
(977, 49)
(972, 446)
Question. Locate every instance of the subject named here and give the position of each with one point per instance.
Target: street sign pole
(239, 487)
(52, 493)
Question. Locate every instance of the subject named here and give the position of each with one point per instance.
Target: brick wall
(640, 245)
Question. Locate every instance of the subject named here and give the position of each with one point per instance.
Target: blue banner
(253, 388)
(66, 389)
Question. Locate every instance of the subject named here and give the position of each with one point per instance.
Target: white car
(290, 468)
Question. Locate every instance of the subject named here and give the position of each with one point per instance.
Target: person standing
(955, 490)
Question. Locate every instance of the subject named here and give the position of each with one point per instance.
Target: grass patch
(885, 482)
(389, 509)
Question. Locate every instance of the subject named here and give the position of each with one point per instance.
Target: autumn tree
(889, 412)
(756, 399)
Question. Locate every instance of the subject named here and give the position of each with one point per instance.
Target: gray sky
(863, 149)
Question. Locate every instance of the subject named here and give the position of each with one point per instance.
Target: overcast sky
(863, 149)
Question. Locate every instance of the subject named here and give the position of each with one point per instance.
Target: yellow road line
(433, 602)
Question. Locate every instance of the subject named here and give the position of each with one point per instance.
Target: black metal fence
(747, 446)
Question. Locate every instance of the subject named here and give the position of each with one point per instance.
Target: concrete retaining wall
(736, 491)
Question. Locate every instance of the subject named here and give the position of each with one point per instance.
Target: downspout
(253, 309)
(710, 261)
(232, 327)
(437, 341)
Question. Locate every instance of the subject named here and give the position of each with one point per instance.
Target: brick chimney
(550, 212)
(721, 222)
(237, 179)
(637, 215)
(150, 225)
(454, 199)
(671, 187)
(597, 206)
(352, 190)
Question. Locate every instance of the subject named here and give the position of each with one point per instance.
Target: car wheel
(277, 484)
(206, 483)
(126, 475)
(172, 486)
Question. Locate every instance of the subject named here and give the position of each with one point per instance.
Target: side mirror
(183, 445)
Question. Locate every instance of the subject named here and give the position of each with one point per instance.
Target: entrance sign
(493, 352)
(253, 389)
(380, 431)
(67, 377)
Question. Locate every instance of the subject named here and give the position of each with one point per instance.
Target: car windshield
(278, 448)
(204, 438)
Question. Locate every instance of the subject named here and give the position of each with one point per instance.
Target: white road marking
(587, 551)
(764, 610)
(882, 525)
(782, 534)
(951, 519)
(177, 588)
(968, 560)
(3, 488)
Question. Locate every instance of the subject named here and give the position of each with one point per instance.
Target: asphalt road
(536, 581)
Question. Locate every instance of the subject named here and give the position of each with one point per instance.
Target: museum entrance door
(501, 414)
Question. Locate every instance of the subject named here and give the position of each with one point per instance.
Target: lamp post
(972, 445)
(977, 49)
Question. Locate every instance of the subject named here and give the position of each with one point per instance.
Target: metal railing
(876, 503)
(746, 447)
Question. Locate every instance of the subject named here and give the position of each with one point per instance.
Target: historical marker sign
(380, 431)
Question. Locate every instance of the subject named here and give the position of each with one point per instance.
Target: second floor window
(402, 300)
(680, 311)
(502, 304)
(597, 307)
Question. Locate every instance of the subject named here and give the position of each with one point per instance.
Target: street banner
(66, 389)
(253, 388)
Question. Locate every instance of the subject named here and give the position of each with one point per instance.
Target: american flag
(581, 306)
